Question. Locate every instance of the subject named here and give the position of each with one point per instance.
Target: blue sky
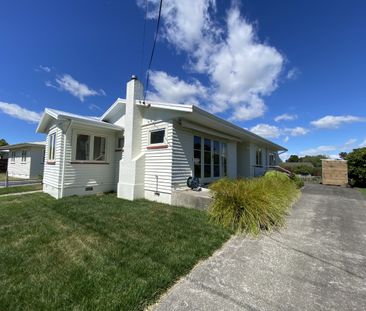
(293, 71)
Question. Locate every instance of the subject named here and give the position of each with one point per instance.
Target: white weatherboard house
(26, 160)
(145, 149)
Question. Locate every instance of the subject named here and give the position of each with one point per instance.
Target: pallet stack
(335, 172)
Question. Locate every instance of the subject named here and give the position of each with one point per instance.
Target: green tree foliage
(3, 142)
(357, 166)
(293, 158)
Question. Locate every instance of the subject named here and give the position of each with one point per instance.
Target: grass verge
(252, 205)
(363, 190)
(3, 175)
(96, 252)
(17, 189)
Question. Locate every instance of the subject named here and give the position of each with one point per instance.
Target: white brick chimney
(132, 166)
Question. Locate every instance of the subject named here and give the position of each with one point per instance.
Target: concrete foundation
(200, 200)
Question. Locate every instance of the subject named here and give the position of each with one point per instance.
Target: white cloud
(285, 117)
(241, 70)
(21, 113)
(318, 150)
(349, 144)
(293, 74)
(286, 139)
(284, 156)
(80, 90)
(169, 88)
(266, 130)
(296, 131)
(363, 144)
(335, 121)
(43, 68)
(272, 131)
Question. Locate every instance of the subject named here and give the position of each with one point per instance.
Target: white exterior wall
(244, 159)
(52, 170)
(182, 165)
(232, 171)
(158, 164)
(79, 176)
(18, 168)
(37, 163)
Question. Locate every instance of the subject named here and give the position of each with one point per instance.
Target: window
(51, 146)
(224, 159)
(258, 157)
(272, 158)
(24, 155)
(157, 137)
(82, 147)
(120, 143)
(207, 157)
(197, 156)
(90, 148)
(216, 158)
(99, 148)
(13, 154)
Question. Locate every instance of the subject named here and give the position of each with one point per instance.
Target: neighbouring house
(146, 149)
(25, 160)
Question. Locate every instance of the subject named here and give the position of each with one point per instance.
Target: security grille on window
(157, 137)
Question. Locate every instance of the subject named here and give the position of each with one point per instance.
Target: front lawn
(16, 189)
(96, 252)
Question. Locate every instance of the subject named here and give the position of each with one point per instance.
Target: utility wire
(143, 40)
(153, 50)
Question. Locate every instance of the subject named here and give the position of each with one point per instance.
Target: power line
(143, 40)
(153, 50)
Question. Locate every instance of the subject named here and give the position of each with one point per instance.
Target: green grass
(16, 189)
(96, 252)
(2, 177)
(363, 190)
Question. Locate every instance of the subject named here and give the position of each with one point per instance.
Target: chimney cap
(134, 77)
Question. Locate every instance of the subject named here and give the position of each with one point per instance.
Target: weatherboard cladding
(52, 173)
(158, 162)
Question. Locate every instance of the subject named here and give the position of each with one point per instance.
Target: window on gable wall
(90, 148)
(51, 146)
(157, 136)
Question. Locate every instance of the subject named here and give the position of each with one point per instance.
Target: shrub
(249, 205)
(298, 181)
(357, 166)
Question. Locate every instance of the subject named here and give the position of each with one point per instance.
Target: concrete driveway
(317, 263)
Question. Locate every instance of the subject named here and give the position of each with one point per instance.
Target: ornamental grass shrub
(252, 205)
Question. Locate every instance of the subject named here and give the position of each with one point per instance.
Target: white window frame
(13, 156)
(259, 149)
(91, 148)
(24, 156)
(158, 130)
(51, 147)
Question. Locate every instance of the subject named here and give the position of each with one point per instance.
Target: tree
(293, 158)
(3, 142)
(357, 166)
(315, 160)
(343, 155)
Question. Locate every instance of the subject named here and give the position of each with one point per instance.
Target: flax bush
(252, 205)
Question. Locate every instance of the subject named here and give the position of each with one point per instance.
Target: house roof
(54, 114)
(196, 114)
(23, 145)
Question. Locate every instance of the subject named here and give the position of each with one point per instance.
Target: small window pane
(197, 171)
(99, 149)
(258, 157)
(216, 170)
(157, 137)
(197, 157)
(207, 144)
(24, 155)
(207, 170)
(197, 143)
(82, 147)
(208, 158)
(120, 143)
